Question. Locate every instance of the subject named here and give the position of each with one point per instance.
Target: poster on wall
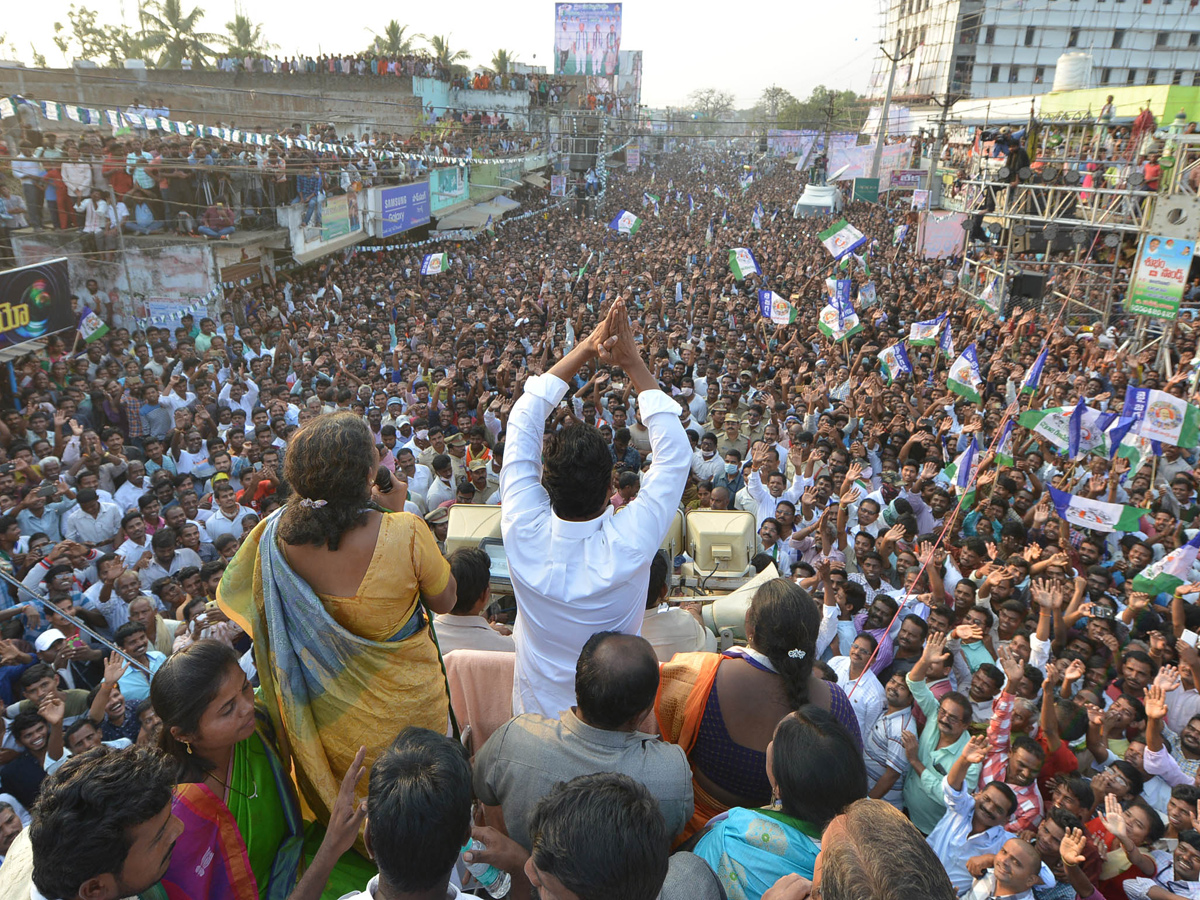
(34, 302)
(633, 157)
(404, 207)
(1160, 277)
(558, 185)
(340, 215)
(941, 234)
(920, 200)
(587, 38)
(447, 187)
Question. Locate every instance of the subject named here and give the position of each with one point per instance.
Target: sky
(741, 47)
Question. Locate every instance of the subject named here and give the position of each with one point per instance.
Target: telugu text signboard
(404, 207)
(1160, 277)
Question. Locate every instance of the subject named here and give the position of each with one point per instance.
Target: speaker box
(581, 162)
(1028, 285)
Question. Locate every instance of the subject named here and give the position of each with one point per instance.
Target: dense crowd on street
(949, 685)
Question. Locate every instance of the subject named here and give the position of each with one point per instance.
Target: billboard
(558, 185)
(447, 187)
(1160, 277)
(34, 302)
(587, 38)
(633, 157)
(404, 207)
(906, 179)
(629, 77)
(340, 215)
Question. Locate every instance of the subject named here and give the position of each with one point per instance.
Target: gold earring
(189, 747)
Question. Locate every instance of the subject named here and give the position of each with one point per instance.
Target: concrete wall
(245, 100)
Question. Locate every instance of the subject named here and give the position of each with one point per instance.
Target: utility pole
(895, 59)
(935, 185)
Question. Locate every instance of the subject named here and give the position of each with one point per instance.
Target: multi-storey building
(985, 48)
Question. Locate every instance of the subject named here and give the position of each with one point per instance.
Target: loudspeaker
(1028, 285)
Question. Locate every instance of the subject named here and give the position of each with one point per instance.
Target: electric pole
(895, 59)
(935, 185)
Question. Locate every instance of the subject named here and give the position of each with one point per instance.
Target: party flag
(925, 334)
(1083, 512)
(841, 238)
(964, 377)
(946, 342)
(91, 326)
(435, 263)
(1163, 417)
(776, 308)
(1169, 572)
(894, 361)
(1034, 376)
(625, 223)
(742, 262)
(838, 320)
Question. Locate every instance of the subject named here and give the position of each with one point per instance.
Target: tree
(846, 113)
(85, 38)
(771, 101)
(440, 45)
(711, 103)
(708, 108)
(245, 38)
(174, 34)
(394, 41)
(502, 61)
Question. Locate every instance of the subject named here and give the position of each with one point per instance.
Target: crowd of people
(947, 682)
(101, 185)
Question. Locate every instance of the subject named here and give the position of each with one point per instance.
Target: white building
(990, 48)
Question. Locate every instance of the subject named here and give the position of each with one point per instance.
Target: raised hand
(348, 814)
(1114, 818)
(976, 749)
(1167, 678)
(1155, 701)
(114, 667)
(1071, 847)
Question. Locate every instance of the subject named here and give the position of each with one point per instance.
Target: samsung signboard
(404, 207)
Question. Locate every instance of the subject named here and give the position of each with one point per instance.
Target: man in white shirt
(671, 630)
(464, 627)
(574, 570)
(227, 517)
(137, 542)
(92, 523)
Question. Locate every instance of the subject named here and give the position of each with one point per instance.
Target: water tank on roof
(1073, 71)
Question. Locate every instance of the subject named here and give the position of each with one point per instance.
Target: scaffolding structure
(1046, 227)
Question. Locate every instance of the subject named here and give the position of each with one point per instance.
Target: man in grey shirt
(616, 680)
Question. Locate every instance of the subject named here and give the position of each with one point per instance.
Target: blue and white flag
(946, 342)
(1034, 376)
(691, 203)
(756, 218)
(1075, 429)
(965, 379)
(625, 223)
(679, 292)
(866, 294)
(435, 264)
(1004, 450)
(894, 361)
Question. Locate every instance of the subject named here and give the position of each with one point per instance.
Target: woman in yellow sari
(330, 589)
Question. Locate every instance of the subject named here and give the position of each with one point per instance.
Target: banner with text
(1160, 277)
(447, 187)
(405, 207)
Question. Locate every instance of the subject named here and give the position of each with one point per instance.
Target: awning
(324, 249)
(537, 180)
(476, 216)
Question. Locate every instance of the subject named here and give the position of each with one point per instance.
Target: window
(1105, 76)
(1194, 39)
(1132, 78)
(924, 30)
(962, 70)
(1196, 79)
(1073, 38)
(989, 36)
(1118, 38)
(1160, 39)
(1030, 31)
(1014, 74)
(1152, 76)
(1039, 75)
(1177, 78)
(995, 75)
